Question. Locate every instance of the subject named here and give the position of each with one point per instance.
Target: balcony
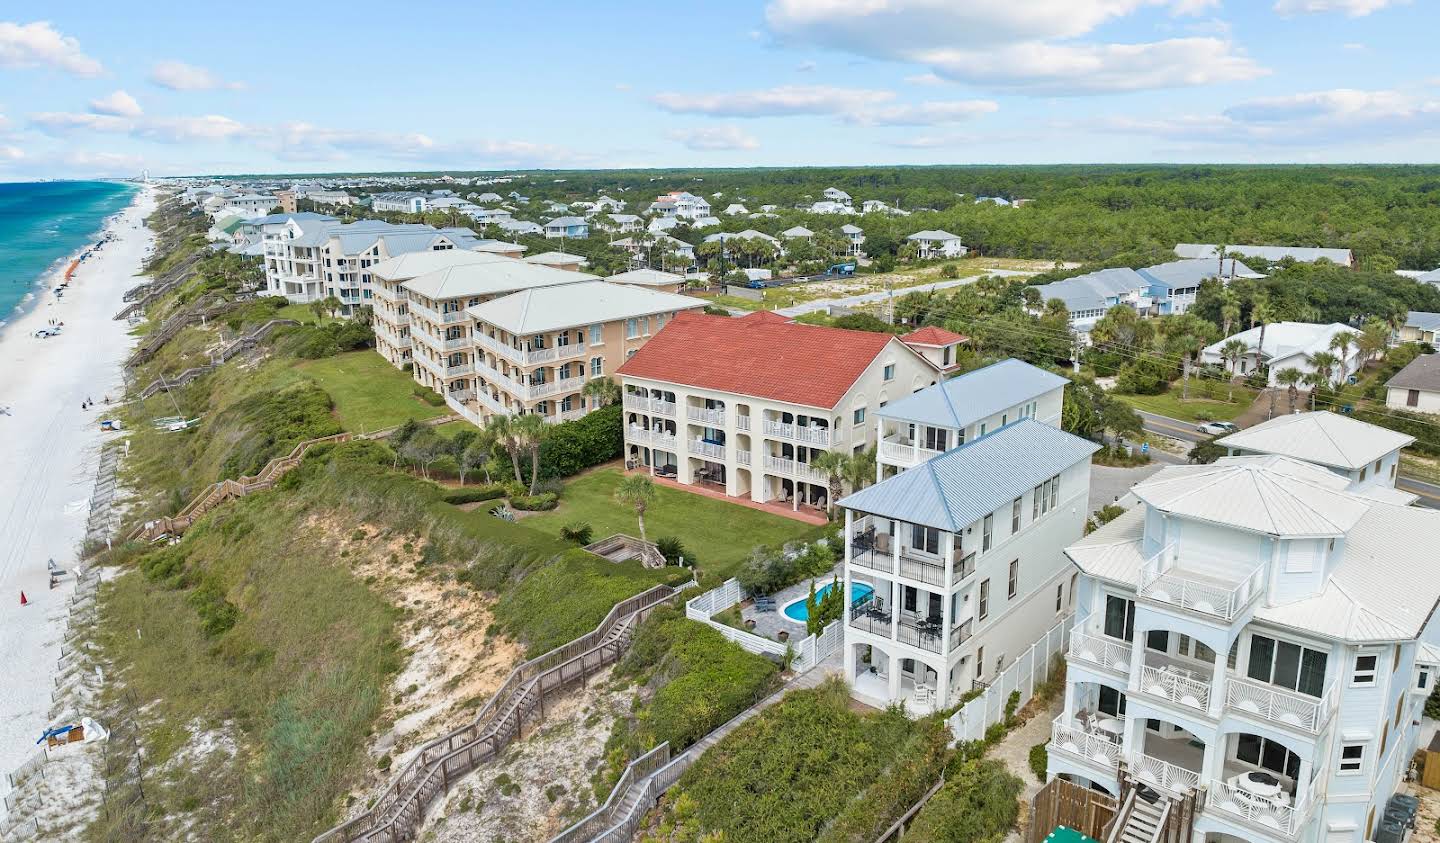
(742, 422)
(1280, 706)
(1163, 774)
(705, 449)
(459, 370)
(1275, 815)
(534, 391)
(900, 451)
(809, 434)
(742, 457)
(1091, 747)
(461, 407)
(447, 318)
(564, 416)
(962, 633)
(1177, 685)
(637, 434)
(400, 319)
(642, 404)
(532, 356)
(713, 418)
(1164, 580)
(928, 571)
(454, 344)
(791, 468)
(667, 441)
(1100, 651)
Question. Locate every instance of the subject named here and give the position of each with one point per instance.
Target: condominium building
(918, 427)
(534, 350)
(1258, 640)
(959, 563)
(743, 405)
(1365, 454)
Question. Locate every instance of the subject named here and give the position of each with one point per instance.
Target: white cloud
(925, 79)
(805, 67)
(1077, 69)
(1027, 47)
(11, 153)
(925, 113)
(786, 100)
(38, 44)
(714, 138)
(1353, 8)
(118, 104)
(1354, 46)
(179, 76)
(209, 127)
(58, 123)
(105, 163)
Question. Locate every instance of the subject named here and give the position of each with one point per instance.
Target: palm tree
(834, 464)
(1232, 352)
(531, 431)
(1323, 363)
(1288, 378)
(601, 391)
(1188, 345)
(1373, 339)
(1261, 313)
(638, 491)
(860, 471)
(502, 428)
(1229, 310)
(1341, 342)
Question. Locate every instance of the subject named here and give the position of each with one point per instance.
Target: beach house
(1367, 455)
(1288, 345)
(1254, 640)
(937, 244)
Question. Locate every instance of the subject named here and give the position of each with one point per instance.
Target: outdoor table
(1262, 785)
(1110, 725)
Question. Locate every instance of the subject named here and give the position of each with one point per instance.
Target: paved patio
(807, 514)
(770, 624)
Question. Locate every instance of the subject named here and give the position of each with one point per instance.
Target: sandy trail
(48, 453)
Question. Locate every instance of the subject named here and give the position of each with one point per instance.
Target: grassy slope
(1207, 402)
(721, 533)
(369, 393)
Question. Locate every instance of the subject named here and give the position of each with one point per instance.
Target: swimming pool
(796, 611)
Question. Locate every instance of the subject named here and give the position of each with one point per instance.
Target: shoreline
(50, 456)
(53, 274)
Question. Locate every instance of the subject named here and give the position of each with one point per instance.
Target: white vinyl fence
(808, 652)
(1030, 669)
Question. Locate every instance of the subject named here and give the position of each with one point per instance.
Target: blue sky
(89, 88)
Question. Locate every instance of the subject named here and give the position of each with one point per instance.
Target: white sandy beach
(48, 453)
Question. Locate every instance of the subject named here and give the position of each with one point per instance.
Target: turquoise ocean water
(42, 226)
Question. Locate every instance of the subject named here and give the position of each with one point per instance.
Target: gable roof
(554, 307)
(931, 335)
(964, 484)
(1304, 254)
(1319, 437)
(565, 222)
(647, 278)
(1283, 339)
(761, 356)
(1190, 272)
(1093, 290)
(962, 401)
(933, 234)
(1421, 373)
(563, 258)
(414, 264)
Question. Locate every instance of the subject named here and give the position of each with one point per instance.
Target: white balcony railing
(529, 357)
(1279, 705)
(1172, 684)
(1270, 814)
(792, 468)
(564, 416)
(461, 369)
(1163, 774)
(715, 418)
(742, 422)
(1094, 748)
(1163, 581)
(742, 457)
(667, 441)
(541, 390)
(810, 434)
(641, 404)
(637, 434)
(401, 319)
(901, 452)
(706, 449)
(1101, 651)
(434, 315)
(455, 344)
(463, 409)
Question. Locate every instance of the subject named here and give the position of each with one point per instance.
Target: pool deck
(769, 624)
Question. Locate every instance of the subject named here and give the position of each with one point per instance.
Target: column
(894, 609)
(893, 677)
(946, 599)
(1217, 685)
(1213, 760)
(1071, 688)
(1137, 657)
(849, 538)
(1303, 784)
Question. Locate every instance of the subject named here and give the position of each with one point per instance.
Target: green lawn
(1207, 402)
(720, 534)
(300, 313)
(369, 393)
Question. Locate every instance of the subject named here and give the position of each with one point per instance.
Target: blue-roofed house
(962, 409)
(1088, 296)
(1173, 285)
(961, 561)
(568, 227)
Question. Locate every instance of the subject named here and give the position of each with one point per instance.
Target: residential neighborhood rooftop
(647, 278)
(954, 489)
(763, 356)
(1423, 320)
(959, 402)
(1304, 254)
(1421, 373)
(933, 336)
(556, 306)
(1319, 437)
(496, 276)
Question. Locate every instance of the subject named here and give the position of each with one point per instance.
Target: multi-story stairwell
(1142, 818)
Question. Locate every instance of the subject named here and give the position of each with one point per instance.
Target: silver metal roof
(962, 401)
(964, 484)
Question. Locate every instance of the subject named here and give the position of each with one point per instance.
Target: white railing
(905, 453)
(706, 449)
(469, 413)
(461, 394)
(401, 319)
(742, 457)
(1280, 705)
(1162, 581)
(455, 344)
(811, 434)
(710, 417)
(564, 416)
(1093, 748)
(1270, 814)
(634, 433)
(1159, 773)
(1174, 686)
(660, 439)
(641, 404)
(792, 468)
(742, 422)
(436, 316)
(1029, 670)
(537, 355)
(1101, 651)
(461, 369)
(807, 653)
(540, 390)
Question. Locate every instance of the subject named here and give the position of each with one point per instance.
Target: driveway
(1107, 484)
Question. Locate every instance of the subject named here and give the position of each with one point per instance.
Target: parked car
(1216, 428)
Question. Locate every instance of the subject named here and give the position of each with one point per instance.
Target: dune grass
(369, 393)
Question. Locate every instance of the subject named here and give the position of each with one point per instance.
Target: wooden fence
(223, 355)
(399, 810)
(1095, 814)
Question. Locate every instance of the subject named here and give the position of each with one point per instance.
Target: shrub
(590, 440)
(1039, 760)
(578, 532)
(312, 342)
(916, 767)
(428, 395)
(673, 549)
(474, 494)
(978, 802)
(535, 503)
(1143, 376)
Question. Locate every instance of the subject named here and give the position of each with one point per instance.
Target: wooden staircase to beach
(399, 811)
(244, 343)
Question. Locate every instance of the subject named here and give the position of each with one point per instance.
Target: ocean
(42, 226)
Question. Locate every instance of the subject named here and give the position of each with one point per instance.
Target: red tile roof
(760, 357)
(766, 316)
(931, 335)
